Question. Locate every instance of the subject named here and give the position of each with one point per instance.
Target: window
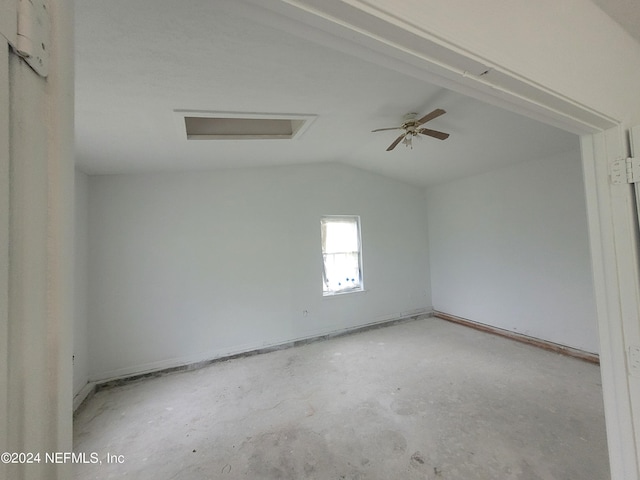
(341, 254)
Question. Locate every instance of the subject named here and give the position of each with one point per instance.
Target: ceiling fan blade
(390, 128)
(430, 116)
(396, 142)
(434, 133)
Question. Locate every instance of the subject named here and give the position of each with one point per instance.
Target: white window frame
(326, 292)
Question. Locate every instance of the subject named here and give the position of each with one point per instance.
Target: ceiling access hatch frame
(212, 125)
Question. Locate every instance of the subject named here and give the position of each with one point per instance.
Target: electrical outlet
(634, 361)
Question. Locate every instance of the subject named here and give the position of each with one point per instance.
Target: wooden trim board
(536, 342)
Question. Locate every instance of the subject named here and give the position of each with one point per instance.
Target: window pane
(342, 271)
(341, 254)
(342, 237)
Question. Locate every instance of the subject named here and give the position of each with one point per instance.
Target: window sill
(340, 294)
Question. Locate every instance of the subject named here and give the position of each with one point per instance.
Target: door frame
(613, 238)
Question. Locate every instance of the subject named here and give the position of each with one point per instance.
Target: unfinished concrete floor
(425, 399)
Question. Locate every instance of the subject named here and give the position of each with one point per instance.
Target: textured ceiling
(140, 60)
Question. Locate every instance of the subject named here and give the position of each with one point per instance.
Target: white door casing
(634, 143)
(632, 324)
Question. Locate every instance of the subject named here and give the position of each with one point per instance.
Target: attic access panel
(199, 125)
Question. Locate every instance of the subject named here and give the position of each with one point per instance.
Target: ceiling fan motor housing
(410, 117)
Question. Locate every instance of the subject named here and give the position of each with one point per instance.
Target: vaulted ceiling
(137, 61)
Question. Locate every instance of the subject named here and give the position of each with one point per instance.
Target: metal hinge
(34, 29)
(625, 170)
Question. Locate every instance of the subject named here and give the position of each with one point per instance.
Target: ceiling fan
(411, 127)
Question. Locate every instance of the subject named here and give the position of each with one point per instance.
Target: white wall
(509, 248)
(80, 317)
(190, 266)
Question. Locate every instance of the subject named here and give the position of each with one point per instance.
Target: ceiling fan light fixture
(410, 127)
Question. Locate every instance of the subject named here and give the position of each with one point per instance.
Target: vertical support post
(61, 221)
(39, 234)
(4, 247)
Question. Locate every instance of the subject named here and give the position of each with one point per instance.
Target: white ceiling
(139, 60)
(625, 12)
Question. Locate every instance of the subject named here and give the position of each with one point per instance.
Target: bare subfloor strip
(420, 400)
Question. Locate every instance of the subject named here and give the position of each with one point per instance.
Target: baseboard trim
(125, 379)
(536, 342)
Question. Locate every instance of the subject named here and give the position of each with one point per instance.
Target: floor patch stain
(417, 459)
